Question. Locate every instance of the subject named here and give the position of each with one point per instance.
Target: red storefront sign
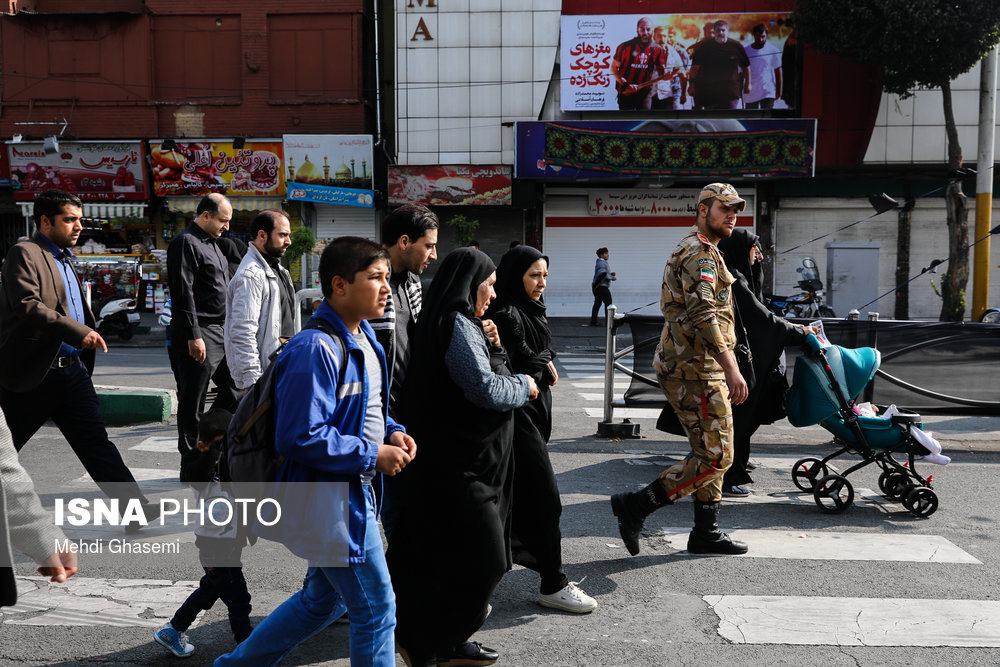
(92, 170)
(450, 185)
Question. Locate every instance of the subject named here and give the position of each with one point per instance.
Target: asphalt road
(879, 582)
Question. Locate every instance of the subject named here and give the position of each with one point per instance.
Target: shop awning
(190, 204)
(103, 210)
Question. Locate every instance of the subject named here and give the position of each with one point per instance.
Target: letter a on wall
(422, 29)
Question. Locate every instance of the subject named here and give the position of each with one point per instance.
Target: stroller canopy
(811, 398)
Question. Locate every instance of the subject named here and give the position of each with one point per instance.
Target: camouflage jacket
(697, 306)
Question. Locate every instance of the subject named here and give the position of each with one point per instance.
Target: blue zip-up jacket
(319, 421)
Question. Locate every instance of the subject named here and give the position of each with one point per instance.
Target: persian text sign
(446, 185)
(330, 168)
(658, 65)
(94, 171)
(678, 203)
(202, 167)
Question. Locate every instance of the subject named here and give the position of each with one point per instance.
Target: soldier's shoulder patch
(706, 261)
(707, 275)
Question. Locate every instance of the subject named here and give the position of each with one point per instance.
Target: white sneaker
(571, 599)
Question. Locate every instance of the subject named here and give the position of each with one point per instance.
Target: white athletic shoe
(571, 599)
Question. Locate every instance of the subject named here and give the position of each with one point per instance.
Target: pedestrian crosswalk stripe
(166, 445)
(823, 545)
(832, 621)
(97, 601)
(625, 413)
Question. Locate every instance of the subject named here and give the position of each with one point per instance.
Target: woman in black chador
(767, 336)
(451, 543)
(519, 315)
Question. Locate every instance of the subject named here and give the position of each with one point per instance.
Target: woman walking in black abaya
(767, 336)
(451, 543)
(519, 315)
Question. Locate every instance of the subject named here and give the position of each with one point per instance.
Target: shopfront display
(109, 275)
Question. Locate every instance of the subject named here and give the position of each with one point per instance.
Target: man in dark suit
(198, 272)
(48, 344)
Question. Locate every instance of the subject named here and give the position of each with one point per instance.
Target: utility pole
(984, 183)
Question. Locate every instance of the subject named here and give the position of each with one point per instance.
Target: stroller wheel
(833, 493)
(806, 471)
(897, 485)
(921, 501)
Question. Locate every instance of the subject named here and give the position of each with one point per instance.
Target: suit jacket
(34, 316)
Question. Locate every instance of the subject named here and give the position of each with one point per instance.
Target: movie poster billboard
(330, 169)
(450, 185)
(92, 170)
(690, 148)
(201, 167)
(677, 62)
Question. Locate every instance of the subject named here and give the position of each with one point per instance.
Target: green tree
(465, 228)
(302, 241)
(918, 44)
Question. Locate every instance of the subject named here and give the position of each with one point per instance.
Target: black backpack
(249, 461)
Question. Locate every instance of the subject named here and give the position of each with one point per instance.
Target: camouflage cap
(725, 193)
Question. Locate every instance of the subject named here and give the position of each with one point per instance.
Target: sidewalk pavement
(125, 405)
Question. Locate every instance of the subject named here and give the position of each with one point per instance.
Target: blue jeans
(363, 590)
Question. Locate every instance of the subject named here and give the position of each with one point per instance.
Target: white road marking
(96, 601)
(831, 621)
(623, 413)
(160, 445)
(823, 545)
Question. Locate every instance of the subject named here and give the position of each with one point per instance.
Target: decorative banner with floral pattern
(723, 148)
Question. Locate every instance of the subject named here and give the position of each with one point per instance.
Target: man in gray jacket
(259, 300)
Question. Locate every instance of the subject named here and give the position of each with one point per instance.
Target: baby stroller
(825, 384)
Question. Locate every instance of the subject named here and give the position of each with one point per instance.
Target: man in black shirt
(716, 68)
(198, 273)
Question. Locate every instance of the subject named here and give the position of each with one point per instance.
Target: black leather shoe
(714, 543)
(469, 653)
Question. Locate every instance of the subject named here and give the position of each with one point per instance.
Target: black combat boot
(706, 538)
(633, 508)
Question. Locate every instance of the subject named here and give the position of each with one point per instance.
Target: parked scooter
(809, 302)
(116, 316)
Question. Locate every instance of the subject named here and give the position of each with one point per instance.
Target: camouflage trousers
(703, 408)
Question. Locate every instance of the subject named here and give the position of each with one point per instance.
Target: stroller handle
(812, 343)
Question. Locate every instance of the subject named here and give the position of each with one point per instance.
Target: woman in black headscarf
(450, 544)
(767, 336)
(519, 315)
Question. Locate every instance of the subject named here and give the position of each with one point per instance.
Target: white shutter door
(333, 221)
(638, 250)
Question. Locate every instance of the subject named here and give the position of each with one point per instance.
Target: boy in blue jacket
(332, 429)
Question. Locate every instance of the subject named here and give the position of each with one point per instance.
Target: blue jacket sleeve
(308, 427)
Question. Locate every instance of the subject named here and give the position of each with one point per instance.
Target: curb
(121, 406)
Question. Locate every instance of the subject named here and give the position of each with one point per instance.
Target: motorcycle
(809, 302)
(116, 316)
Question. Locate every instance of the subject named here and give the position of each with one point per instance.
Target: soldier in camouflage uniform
(698, 373)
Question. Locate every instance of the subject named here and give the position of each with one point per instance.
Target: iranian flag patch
(708, 275)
